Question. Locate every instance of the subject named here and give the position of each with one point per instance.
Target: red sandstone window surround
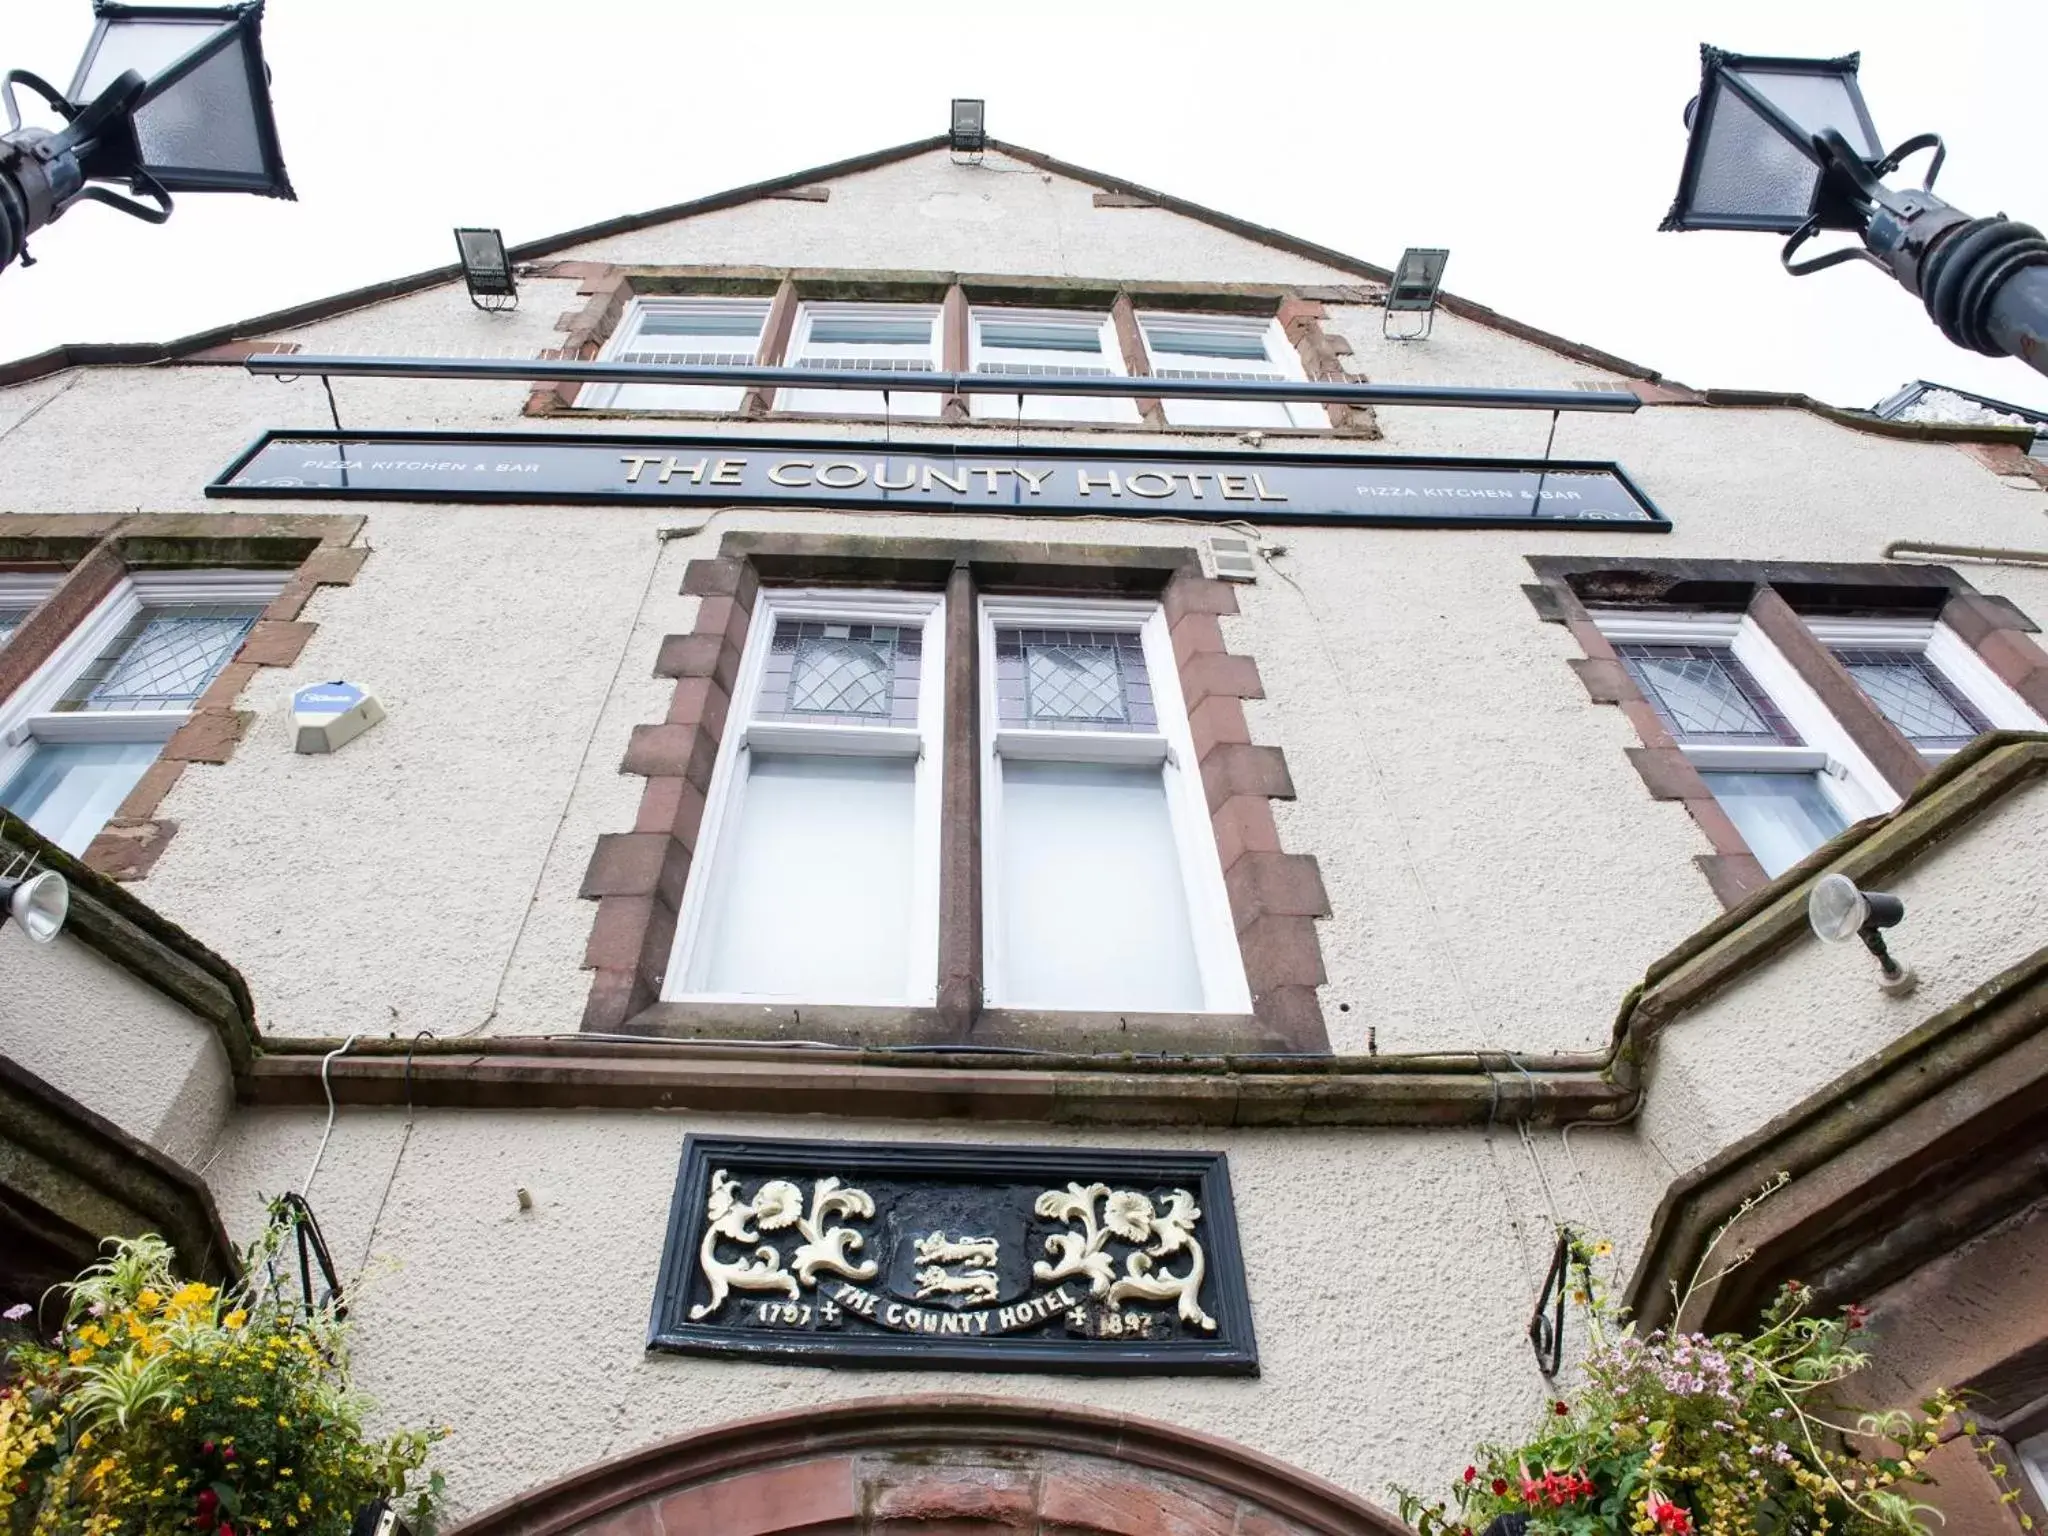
(1249, 914)
(952, 323)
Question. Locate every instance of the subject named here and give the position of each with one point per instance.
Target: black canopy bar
(1315, 392)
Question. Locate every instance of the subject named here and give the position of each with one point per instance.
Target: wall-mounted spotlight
(1839, 911)
(167, 99)
(969, 133)
(487, 269)
(40, 903)
(1417, 279)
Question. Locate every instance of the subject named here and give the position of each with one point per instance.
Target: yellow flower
(235, 1319)
(177, 1415)
(148, 1300)
(79, 1356)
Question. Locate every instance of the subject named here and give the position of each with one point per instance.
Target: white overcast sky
(1540, 142)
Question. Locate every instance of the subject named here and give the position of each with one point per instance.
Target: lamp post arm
(1984, 281)
(43, 173)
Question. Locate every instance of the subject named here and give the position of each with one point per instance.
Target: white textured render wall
(1975, 907)
(1449, 766)
(121, 1048)
(1391, 1277)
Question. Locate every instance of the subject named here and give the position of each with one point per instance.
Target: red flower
(226, 1529)
(1857, 1316)
(207, 1502)
(206, 1447)
(1670, 1517)
(1561, 1410)
(1532, 1491)
(1470, 1473)
(228, 1452)
(1500, 1487)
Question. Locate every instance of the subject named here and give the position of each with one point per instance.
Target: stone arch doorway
(940, 1466)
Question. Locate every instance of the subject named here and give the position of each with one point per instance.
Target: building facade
(940, 959)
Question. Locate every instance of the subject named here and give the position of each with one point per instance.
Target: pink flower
(17, 1312)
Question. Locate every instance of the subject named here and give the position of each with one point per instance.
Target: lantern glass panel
(147, 45)
(1748, 170)
(1817, 100)
(206, 121)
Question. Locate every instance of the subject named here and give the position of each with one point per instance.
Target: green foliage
(168, 1409)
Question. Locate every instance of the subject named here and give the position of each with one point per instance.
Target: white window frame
(745, 734)
(2033, 1458)
(1118, 409)
(22, 592)
(626, 334)
(1218, 956)
(1847, 776)
(1282, 362)
(30, 716)
(1951, 655)
(919, 404)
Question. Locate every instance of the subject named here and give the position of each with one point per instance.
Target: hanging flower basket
(179, 1409)
(1688, 1435)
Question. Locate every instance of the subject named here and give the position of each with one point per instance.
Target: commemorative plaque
(1002, 1258)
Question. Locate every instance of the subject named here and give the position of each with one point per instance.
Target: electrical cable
(391, 1178)
(327, 1088)
(663, 538)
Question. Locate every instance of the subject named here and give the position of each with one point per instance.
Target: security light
(167, 99)
(969, 134)
(1787, 146)
(39, 903)
(487, 269)
(1839, 912)
(1413, 290)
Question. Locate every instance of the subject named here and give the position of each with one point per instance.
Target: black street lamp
(1787, 145)
(167, 99)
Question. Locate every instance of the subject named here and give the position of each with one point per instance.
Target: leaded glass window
(1073, 679)
(163, 659)
(1703, 694)
(815, 878)
(1911, 692)
(841, 673)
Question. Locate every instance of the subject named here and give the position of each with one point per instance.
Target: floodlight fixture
(1418, 277)
(166, 99)
(1787, 146)
(1839, 912)
(969, 132)
(38, 902)
(487, 269)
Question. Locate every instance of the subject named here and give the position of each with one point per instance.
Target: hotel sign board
(1269, 487)
(907, 1256)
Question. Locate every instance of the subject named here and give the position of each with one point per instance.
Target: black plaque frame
(1232, 1352)
(1653, 520)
